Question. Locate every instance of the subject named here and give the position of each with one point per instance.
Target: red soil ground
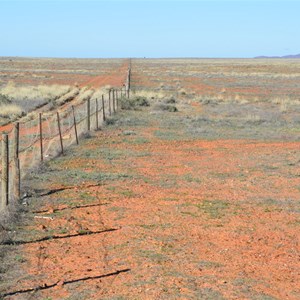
(149, 213)
(117, 78)
(189, 219)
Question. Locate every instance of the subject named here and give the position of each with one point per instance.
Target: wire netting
(41, 138)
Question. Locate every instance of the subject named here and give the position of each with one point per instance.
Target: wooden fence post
(103, 109)
(5, 172)
(88, 115)
(75, 125)
(117, 99)
(41, 136)
(114, 101)
(109, 102)
(60, 136)
(128, 81)
(97, 114)
(16, 173)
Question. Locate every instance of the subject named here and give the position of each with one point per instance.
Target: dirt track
(144, 212)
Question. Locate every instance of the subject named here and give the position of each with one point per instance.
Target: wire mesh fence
(47, 134)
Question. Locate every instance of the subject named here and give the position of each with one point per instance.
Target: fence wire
(41, 137)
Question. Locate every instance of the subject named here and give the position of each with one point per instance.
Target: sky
(99, 28)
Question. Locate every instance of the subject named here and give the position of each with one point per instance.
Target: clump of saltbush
(165, 107)
(170, 101)
(134, 103)
(4, 99)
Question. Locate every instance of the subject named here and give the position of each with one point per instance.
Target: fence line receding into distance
(46, 135)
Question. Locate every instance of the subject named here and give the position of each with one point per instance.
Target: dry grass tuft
(10, 110)
(84, 95)
(68, 96)
(36, 93)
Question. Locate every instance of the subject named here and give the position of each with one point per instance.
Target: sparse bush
(134, 103)
(165, 107)
(111, 121)
(4, 99)
(172, 100)
(67, 97)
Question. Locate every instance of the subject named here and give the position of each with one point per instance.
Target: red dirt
(198, 219)
(194, 219)
(116, 79)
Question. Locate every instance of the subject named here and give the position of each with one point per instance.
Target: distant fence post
(97, 114)
(88, 115)
(75, 125)
(16, 173)
(128, 81)
(109, 102)
(41, 136)
(5, 172)
(103, 109)
(60, 136)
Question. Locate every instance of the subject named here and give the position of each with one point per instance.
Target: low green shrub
(4, 99)
(166, 107)
(171, 100)
(134, 103)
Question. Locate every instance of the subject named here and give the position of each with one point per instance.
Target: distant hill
(285, 56)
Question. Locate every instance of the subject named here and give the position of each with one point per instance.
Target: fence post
(103, 109)
(97, 115)
(114, 100)
(88, 115)
(5, 172)
(75, 125)
(117, 99)
(16, 173)
(128, 81)
(109, 102)
(41, 136)
(60, 136)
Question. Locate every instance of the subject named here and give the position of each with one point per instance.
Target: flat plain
(191, 191)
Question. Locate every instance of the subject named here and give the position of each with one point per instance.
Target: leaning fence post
(5, 172)
(16, 173)
(103, 109)
(60, 136)
(75, 125)
(88, 115)
(41, 136)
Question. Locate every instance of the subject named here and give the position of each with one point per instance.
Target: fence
(27, 144)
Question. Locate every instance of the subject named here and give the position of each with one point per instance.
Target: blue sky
(217, 28)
